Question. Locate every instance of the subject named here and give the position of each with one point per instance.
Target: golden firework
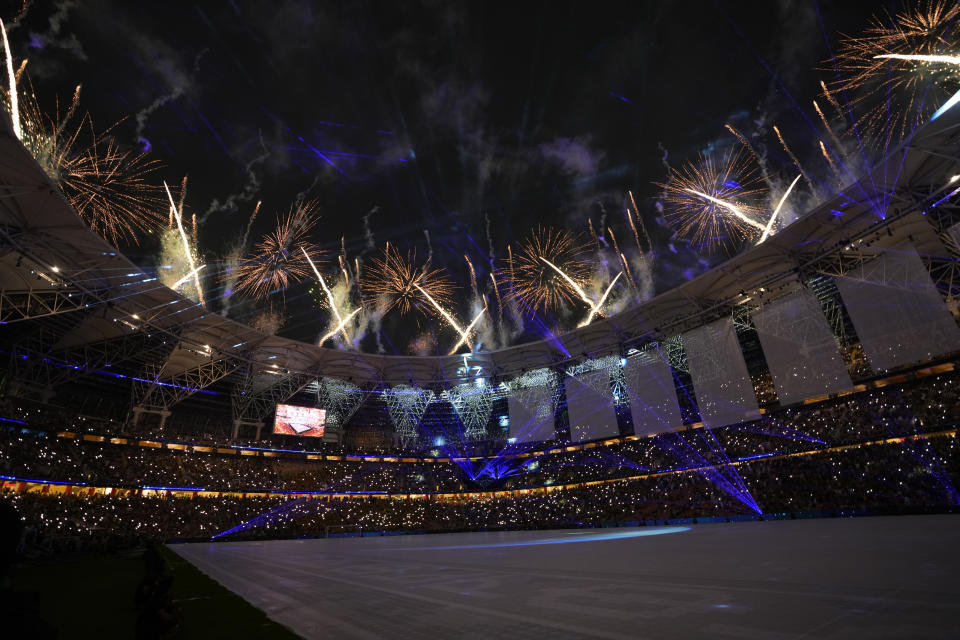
(550, 267)
(393, 281)
(283, 256)
(716, 200)
(105, 183)
(901, 70)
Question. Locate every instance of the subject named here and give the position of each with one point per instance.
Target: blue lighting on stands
(759, 455)
(16, 479)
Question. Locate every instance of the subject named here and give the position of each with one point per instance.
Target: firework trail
(643, 227)
(465, 334)
(570, 281)
(613, 238)
(330, 300)
(626, 267)
(253, 216)
(595, 308)
(342, 322)
(729, 207)
(344, 261)
(186, 246)
(829, 96)
(443, 314)
(833, 167)
(183, 193)
(179, 283)
(11, 78)
(767, 229)
(633, 227)
(496, 291)
(593, 233)
(743, 140)
(473, 277)
(796, 162)
(920, 58)
(833, 137)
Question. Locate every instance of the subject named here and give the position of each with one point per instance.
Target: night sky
(473, 120)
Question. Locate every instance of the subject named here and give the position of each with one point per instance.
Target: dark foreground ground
(890, 577)
(93, 597)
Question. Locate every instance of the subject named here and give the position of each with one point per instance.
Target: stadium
(738, 419)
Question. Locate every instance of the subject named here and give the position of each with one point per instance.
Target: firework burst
(394, 282)
(717, 200)
(283, 256)
(901, 69)
(106, 184)
(550, 267)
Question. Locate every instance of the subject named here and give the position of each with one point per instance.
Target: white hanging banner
(653, 396)
(897, 311)
(590, 406)
(800, 349)
(721, 383)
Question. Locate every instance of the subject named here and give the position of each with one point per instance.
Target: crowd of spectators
(892, 476)
(889, 447)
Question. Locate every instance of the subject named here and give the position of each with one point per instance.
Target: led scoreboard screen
(299, 421)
